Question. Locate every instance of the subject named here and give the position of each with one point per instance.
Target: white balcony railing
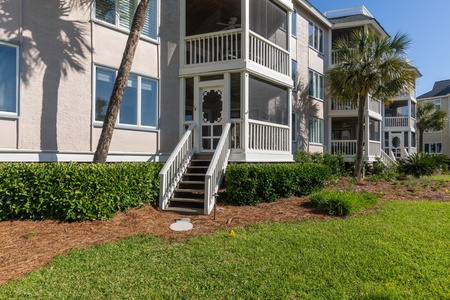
(345, 147)
(343, 106)
(396, 121)
(268, 54)
(214, 47)
(268, 136)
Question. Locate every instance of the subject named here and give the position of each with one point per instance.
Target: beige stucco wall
(8, 136)
(307, 59)
(170, 64)
(10, 19)
(56, 93)
(55, 99)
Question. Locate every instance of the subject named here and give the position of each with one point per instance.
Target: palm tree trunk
(360, 138)
(421, 140)
(119, 85)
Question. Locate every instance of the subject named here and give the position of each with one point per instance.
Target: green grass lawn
(399, 252)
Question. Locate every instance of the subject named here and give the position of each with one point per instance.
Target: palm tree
(429, 118)
(119, 85)
(369, 66)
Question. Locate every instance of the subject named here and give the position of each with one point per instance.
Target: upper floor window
(294, 23)
(316, 130)
(316, 85)
(437, 103)
(9, 79)
(139, 107)
(316, 37)
(121, 12)
(294, 75)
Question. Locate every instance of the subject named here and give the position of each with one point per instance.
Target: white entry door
(396, 144)
(211, 99)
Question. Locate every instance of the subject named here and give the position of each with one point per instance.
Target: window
(437, 104)
(294, 23)
(315, 130)
(433, 148)
(316, 85)
(120, 13)
(315, 37)
(9, 79)
(294, 75)
(294, 127)
(139, 107)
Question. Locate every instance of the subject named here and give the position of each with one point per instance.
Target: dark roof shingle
(440, 88)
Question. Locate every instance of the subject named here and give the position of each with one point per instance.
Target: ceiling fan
(232, 24)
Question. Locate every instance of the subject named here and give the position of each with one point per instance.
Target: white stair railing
(175, 166)
(217, 168)
(386, 159)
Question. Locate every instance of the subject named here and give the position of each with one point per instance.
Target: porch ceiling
(203, 16)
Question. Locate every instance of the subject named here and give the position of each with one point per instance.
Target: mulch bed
(27, 245)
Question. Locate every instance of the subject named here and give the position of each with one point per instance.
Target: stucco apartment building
(438, 142)
(236, 80)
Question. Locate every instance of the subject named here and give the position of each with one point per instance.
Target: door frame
(201, 86)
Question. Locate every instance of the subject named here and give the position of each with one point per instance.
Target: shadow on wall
(303, 105)
(51, 43)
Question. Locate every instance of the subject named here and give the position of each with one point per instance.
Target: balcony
(397, 122)
(227, 46)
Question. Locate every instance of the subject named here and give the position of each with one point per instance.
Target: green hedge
(250, 184)
(342, 203)
(72, 191)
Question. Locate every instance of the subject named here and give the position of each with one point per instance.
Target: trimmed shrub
(423, 164)
(342, 203)
(335, 161)
(72, 191)
(250, 184)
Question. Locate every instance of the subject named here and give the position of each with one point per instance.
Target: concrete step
(186, 210)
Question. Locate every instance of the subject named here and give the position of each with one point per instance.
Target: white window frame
(429, 147)
(316, 131)
(316, 85)
(15, 114)
(119, 125)
(116, 24)
(316, 43)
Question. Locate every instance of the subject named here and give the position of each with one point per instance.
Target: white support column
(246, 25)
(246, 111)
(182, 102)
(197, 114)
(182, 33)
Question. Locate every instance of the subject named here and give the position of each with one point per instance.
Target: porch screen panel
(269, 21)
(267, 102)
(189, 100)
(235, 96)
(374, 130)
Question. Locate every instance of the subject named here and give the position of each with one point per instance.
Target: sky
(427, 24)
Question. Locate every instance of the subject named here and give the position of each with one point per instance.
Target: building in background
(438, 142)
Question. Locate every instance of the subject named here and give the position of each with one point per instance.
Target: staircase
(189, 196)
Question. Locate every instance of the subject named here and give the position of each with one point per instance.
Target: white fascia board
(314, 11)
